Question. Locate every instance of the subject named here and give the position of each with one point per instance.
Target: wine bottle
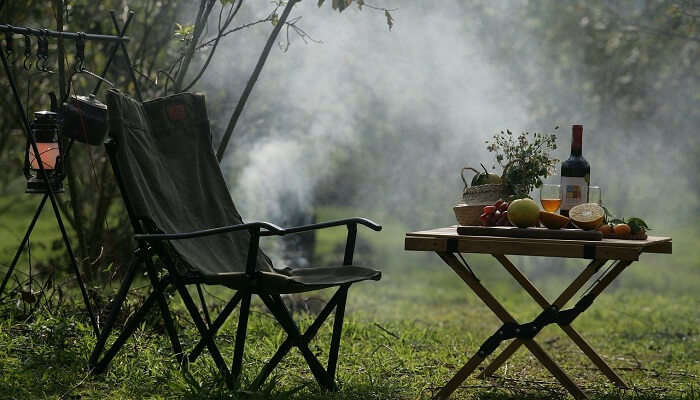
(575, 174)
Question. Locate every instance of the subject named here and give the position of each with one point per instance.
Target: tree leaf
(637, 224)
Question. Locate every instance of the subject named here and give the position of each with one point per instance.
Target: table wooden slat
(447, 239)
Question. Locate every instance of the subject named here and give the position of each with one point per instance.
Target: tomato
(504, 206)
(498, 204)
(622, 229)
(489, 209)
(484, 219)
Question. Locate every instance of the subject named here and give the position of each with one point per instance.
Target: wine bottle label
(574, 191)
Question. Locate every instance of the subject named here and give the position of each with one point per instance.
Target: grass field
(404, 337)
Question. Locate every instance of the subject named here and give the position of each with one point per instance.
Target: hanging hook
(39, 53)
(79, 53)
(9, 46)
(43, 51)
(27, 53)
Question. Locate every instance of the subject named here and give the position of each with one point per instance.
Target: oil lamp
(45, 128)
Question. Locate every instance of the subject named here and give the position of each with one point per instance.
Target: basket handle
(462, 175)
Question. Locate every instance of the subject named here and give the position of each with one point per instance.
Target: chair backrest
(168, 174)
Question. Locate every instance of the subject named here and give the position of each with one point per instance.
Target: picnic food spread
(498, 217)
(503, 201)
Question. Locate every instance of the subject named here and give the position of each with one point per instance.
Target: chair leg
(129, 328)
(337, 332)
(167, 317)
(116, 307)
(241, 331)
(203, 302)
(204, 332)
(216, 325)
(275, 304)
(288, 343)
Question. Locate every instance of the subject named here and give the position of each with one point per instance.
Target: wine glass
(595, 195)
(550, 197)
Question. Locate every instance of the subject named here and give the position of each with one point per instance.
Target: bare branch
(253, 78)
(222, 26)
(305, 37)
(205, 9)
(363, 4)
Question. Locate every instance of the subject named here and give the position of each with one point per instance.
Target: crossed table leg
(559, 303)
(525, 333)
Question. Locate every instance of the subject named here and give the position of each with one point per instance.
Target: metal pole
(126, 55)
(52, 195)
(113, 52)
(22, 30)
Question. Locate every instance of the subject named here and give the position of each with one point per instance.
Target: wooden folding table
(449, 245)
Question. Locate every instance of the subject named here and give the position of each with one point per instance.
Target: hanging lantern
(45, 129)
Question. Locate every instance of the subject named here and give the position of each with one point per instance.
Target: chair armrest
(271, 228)
(340, 222)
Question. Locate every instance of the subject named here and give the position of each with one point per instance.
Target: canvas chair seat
(294, 280)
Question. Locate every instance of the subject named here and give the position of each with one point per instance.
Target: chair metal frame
(151, 246)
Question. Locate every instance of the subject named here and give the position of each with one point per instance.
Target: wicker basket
(483, 194)
(468, 214)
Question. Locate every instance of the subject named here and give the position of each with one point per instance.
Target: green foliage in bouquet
(525, 159)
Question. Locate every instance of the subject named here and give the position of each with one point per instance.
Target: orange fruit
(622, 229)
(587, 215)
(552, 220)
(607, 229)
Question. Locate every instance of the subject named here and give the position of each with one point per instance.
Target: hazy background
(364, 121)
(406, 109)
(380, 122)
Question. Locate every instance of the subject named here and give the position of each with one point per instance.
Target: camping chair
(186, 224)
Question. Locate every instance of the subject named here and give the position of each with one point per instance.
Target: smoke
(409, 108)
(380, 122)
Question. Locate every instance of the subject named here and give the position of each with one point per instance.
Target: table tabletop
(448, 240)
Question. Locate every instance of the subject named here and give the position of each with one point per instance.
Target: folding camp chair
(162, 156)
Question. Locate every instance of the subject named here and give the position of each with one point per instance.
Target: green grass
(15, 214)
(403, 338)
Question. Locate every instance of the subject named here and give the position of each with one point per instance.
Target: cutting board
(537, 233)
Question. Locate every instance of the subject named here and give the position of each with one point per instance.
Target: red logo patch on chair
(176, 112)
